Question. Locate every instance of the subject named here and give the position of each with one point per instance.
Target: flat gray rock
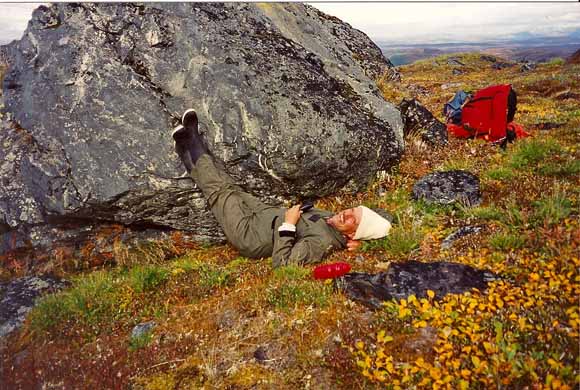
(412, 278)
(448, 187)
(286, 97)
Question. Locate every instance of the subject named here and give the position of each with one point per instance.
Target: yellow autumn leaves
(513, 334)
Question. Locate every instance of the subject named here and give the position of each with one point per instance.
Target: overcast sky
(406, 22)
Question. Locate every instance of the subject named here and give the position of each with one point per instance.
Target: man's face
(346, 221)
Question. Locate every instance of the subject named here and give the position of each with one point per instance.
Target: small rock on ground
(140, 329)
(459, 233)
(448, 187)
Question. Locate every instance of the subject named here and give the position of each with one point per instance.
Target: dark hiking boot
(189, 120)
(180, 139)
(189, 144)
(195, 140)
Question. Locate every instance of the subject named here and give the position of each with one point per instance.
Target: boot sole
(191, 110)
(189, 119)
(178, 129)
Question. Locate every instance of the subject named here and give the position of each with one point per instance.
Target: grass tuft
(514, 216)
(552, 209)
(400, 242)
(147, 278)
(100, 298)
(293, 287)
(568, 168)
(92, 299)
(291, 272)
(507, 241)
(529, 152)
(291, 294)
(501, 173)
(212, 277)
(489, 213)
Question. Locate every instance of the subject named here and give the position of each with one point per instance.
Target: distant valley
(532, 49)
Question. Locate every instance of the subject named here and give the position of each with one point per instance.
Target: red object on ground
(486, 116)
(518, 129)
(330, 271)
(486, 112)
(460, 132)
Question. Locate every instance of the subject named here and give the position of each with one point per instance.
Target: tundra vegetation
(224, 321)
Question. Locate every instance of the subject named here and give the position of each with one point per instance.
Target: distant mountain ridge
(523, 48)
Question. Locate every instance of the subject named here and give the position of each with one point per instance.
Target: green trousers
(252, 226)
(247, 222)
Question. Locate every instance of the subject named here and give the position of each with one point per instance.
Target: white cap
(372, 225)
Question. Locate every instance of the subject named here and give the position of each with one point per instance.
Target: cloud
(13, 20)
(431, 22)
(405, 22)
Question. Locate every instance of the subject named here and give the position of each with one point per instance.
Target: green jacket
(313, 240)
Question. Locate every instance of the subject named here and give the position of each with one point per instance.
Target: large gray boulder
(285, 95)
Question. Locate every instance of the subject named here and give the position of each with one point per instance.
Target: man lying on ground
(258, 230)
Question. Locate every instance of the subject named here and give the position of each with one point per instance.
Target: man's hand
(352, 245)
(293, 215)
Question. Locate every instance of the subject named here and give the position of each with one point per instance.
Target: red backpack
(487, 115)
